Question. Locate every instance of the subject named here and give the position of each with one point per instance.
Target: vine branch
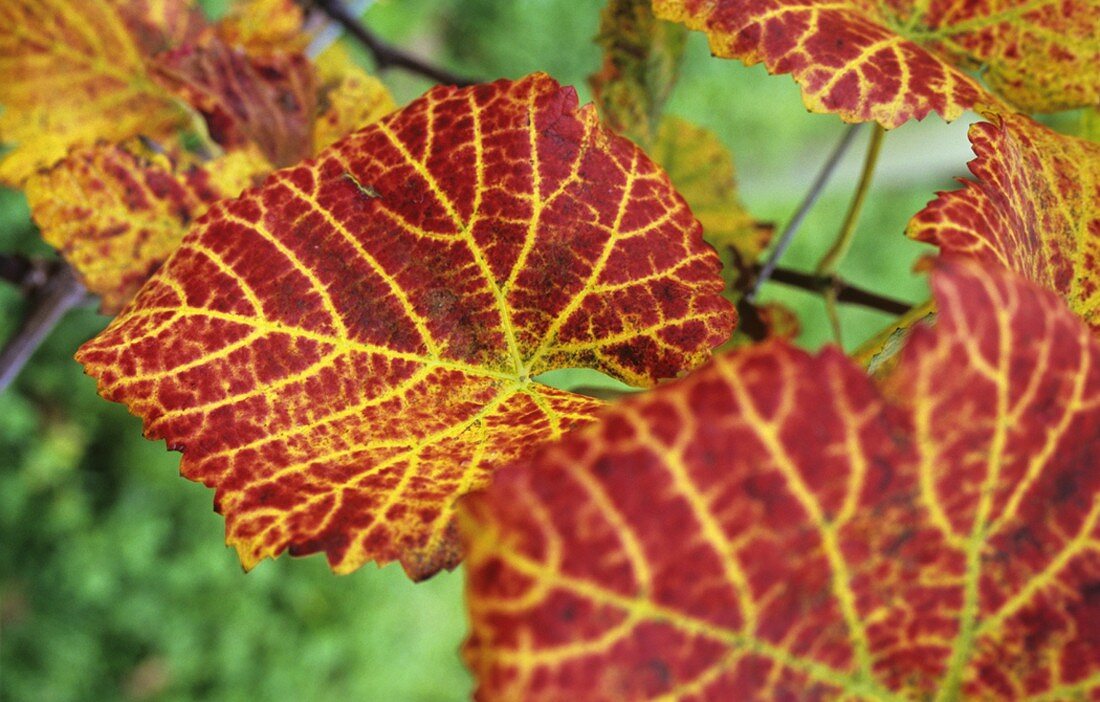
(385, 54)
(28, 274)
(845, 292)
(59, 293)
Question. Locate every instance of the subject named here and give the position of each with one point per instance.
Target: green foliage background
(114, 583)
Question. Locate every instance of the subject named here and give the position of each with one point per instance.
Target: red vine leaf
(75, 72)
(1035, 208)
(780, 526)
(345, 350)
(895, 61)
(269, 99)
(116, 214)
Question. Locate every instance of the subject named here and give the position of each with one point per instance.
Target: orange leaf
(777, 526)
(74, 73)
(116, 215)
(269, 99)
(1035, 209)
(265, 26)
(894, 61)
(347, 349)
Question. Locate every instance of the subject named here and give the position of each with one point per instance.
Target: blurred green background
(114, 581)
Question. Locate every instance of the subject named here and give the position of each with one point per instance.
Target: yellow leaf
(74, 73)
(116, 214)
(349, 98)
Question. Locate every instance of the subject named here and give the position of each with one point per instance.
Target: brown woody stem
(845, 293)
(29, 274)
(386, 55)
(60, 293)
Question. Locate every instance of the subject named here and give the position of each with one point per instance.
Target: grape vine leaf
(266, 99)
(641, 62)
(116, 213)
(75, 72)
(264, 27)
(701, 168)
(348, 97)
(891, 61)
(1034, 208)
(780, 526)
(348, 348)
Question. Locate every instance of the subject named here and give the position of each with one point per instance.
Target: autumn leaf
(701, 168)
(641, 61)
(345, 350)
(1034, 208)
(268, 99)
(116, 214)
(349, 98)
(160, 25)
(263, 27)
(895, 61)
(779, 526)
(75, 73)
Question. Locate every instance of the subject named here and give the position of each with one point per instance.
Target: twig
(816, 189)
(845, 293)
(386, 55)
(60, 293)
(28, 274)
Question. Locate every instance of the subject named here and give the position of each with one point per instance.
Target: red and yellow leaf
(1035, 209)
(268, 100)
(74, 73)
(701, 168)
(892, 60)
(778, 526)
(116, 215)
(347, 349)
(640, 66)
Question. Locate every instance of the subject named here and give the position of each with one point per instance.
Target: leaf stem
(836, 253)
(60, 293)
(843, 242)
(808, 202)
(386, 55)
